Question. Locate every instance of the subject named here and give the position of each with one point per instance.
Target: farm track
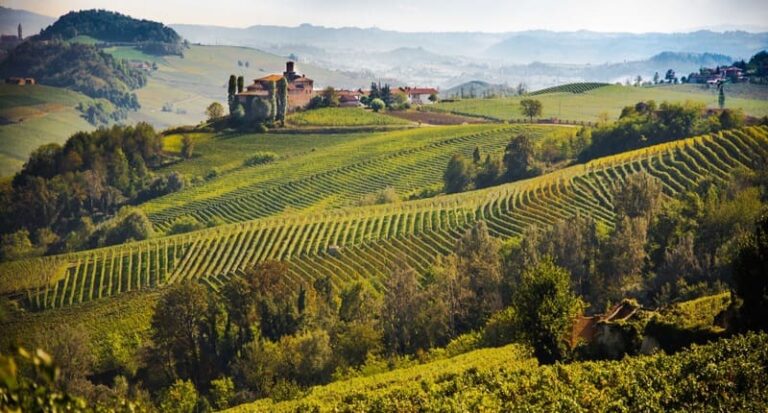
(361, 242)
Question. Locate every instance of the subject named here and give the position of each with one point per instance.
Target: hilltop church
(299, 88)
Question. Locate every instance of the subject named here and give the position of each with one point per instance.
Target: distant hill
(149, 36)
(31, 23)
(592, 47)
(580, 47)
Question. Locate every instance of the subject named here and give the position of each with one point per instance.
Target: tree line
(64, 196)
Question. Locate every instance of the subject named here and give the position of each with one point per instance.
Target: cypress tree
(231, 90)
(282, 100)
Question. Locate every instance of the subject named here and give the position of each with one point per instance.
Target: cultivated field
(35, 115)
(587, 106)
(361, 242)
(335, 171)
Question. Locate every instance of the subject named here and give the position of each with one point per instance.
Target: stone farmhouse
(300, 88)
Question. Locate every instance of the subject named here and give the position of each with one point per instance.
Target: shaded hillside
(77, 67)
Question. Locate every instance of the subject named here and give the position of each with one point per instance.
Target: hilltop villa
(299, 88)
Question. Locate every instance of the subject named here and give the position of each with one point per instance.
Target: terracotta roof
(422, 91)
(272, 77)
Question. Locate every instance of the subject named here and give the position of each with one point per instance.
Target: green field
(589, 105)
(34, 116)
(507, 379)
(367, 239)
(343, 117)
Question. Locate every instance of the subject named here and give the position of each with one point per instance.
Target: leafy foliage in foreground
(728, 375)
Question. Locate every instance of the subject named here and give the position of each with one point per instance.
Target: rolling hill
(186, 85)
(360, 242)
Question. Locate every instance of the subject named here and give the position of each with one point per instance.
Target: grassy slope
(342, 117)
(727, 375)
(610, 99)
(44, 115)
(190, 84)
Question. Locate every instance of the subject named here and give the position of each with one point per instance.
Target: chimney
(289, 67)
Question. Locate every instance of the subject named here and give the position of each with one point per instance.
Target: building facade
(300, 88)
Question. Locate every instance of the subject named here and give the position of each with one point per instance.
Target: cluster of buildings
(301, 90)
(715, 76)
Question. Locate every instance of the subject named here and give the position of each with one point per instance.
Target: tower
(20, 36)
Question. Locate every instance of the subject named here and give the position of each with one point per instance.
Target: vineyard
(728, 375)
(569, 88)
(349, 243)
(342, 117)
(408, 161)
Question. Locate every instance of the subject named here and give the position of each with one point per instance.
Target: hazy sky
(437, 15)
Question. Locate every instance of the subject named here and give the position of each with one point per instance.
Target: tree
(476, 157)
(656, 78)
(489, 173)
(187, 147)
(16, 246)
(377, 105)
(222, 392)
(518, 158)
(282, 100)
(480, 261)
(433, 98)
(546, 308)
(231, 91)
(183, 332)
(750, 272)
(240, 84)
(623, 260)
(330, 97)
(521, 89)
(400, 306)
(181, 397)
(458, 175)
(721, 97)
(530, 108)
(214, 111)
(639, 197)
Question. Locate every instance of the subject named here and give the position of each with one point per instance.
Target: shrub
(261, 158)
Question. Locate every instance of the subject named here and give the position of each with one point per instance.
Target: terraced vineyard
(409, 161)
(570, 88)
(360, 242)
